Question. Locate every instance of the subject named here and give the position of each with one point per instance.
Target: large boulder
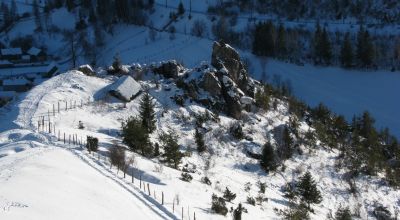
(226, 57)
(211, 84)
(169, 69)
(232, 96)
(87, 70)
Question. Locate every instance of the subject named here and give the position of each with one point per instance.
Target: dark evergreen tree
(136, 137)
(268, 158)
(307, 190)
(181, 8)
(36, 13)
(229, 196)
(317, 47)
(198, 136)
(281, 48)
(70, 4)
(218, 205)
(365, 48)
(343, 214)
(147, 113)
(346, 52)
(237, 213)
(326, 48)
(172, 155)
(286, 148)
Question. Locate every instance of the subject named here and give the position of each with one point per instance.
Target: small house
(18, 84)
(50, 71)
(125, 88)
(5, 64)
(36, 54)
(11, 54)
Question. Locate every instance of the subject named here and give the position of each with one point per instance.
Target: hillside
(35, 163)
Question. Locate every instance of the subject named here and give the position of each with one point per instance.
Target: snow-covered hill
(43, 178)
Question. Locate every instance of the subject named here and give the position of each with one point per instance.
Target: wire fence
(131, 174)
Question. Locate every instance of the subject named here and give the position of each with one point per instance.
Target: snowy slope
(52, 183)
(39, 163)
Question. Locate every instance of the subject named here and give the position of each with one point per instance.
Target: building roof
(34, 51)
(7, 94)
(11, 51)
(5, 62)
(16, 82)
(126, 88)
(18, 71)
(26, 57)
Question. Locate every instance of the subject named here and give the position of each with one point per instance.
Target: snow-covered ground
(42, 178)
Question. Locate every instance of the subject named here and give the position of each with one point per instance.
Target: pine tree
(307, 190)
(229, 196)
(136, 137)
(198, 136)
(268, 158)
(346, 52)
(147, 113)
(281, 42)
(237, 213)
(172, 155)
(326, 48)
(317, 47)
(181, 8)
(286, 147)
(70, 4)
(343, 214)
(365, 48)
(36, 13)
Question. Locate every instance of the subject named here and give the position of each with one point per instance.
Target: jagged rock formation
(169, 69)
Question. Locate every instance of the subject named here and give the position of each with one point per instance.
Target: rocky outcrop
(232, 95)
(87, 70)
(169, 69)
(226, 57)
(211, 84)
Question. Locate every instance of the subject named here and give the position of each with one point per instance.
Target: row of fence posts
(145, 187)
(48, 126)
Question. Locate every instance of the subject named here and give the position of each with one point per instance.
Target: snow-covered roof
(11, 51)
(7, 94)
(5, 62)
(18, 71)
(126, 88)
(34, 51)
(16, 82)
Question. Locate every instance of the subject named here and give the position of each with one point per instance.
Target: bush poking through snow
(251, 200)
(186, 177)
(198, 136)
(236, 131)
(92, 144)
(229, 196)
(218, 205)
(343, 214)
(206, 180)
(117, 156)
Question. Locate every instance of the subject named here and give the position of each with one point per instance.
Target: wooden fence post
(133, 178)
(194, 216)
(69, 139)
(162, 198)
(66, 105)
(64, 137)
(182, 212)
(148, 188)
(140, 179)
(54, 111)
(173, 206)
(58, 103)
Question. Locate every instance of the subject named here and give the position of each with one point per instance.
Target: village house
(11, 54)
(20, 84)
